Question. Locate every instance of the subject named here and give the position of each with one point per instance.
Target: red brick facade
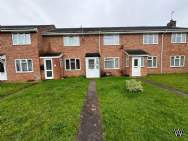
(88, 44)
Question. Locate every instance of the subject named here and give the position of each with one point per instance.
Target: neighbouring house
(38, 52)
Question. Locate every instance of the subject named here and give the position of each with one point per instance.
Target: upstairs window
(72, 64)
(21, 39)
(177, 61)
(178, 38)
(150, 38)
(111, 40)
(71, 41)
(152, 62)
(24, 65)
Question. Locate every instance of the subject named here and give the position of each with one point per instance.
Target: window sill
(176, 66)
(72, 70)
(112, 45)
(111, 68)
(152, 67)
(72, 46)
(22, 45)
(24, 72)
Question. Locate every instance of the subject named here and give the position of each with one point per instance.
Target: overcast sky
(92, 13)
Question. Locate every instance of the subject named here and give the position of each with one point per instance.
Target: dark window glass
(77, 64)
(72, 64)
(2, 67)
(67, 64)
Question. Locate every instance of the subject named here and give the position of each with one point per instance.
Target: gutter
(96, 33)
(19, 30)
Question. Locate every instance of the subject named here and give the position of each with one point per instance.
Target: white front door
(92, 67)
(136, 66)
(3, 72)
(48, 68)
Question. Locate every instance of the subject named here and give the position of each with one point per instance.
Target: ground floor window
(24, 65)
(177, 61)
(72, 64)
(152, 61)
(111, 63)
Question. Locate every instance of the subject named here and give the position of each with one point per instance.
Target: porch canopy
(96, 54)
(136, 52)
(51, 55)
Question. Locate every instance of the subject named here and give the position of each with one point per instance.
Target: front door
(136, 66)
(48, 69)
(3, 72)
(92, 67)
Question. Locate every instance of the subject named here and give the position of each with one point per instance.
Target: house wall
(88, 44)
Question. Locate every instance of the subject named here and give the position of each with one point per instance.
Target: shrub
(134, 86)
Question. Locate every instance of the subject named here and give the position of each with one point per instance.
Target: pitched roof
(96, 30)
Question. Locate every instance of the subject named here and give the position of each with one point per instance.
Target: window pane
(172, 61)
(116, 63)
(29, 65)
(154, 61)
(150, 38)
(77, 64)
(149, 63)
(177, 62)
(111, 39)
(24, 65)
(142, 61)
(48, 64)
(67, 64)
(2, 67)
(182, 60)
(91, 64)
(18, 67)
(72, 64)
(109, 63)
(71, 41)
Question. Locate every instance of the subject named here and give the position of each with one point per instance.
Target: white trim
(21, 71)
(70, 64)
(153, 43)
(181, 37)
(180, 61)
(5, 67)
(53, 57)
(114, 64)
(45, 71)
(153, 67)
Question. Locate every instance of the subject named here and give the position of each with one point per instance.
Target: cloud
(73, 13)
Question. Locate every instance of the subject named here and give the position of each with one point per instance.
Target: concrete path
(90, 128)
(163, 86)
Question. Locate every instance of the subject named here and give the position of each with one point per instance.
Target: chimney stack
(172, 23)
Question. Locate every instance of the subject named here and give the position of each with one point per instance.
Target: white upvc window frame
(176, 36)
(67, 41)
(113, 62)
(179, 57)
(70, 68)
(152, 59)
(115, 38)
(21, 67)
(21, 39)
(147, 35)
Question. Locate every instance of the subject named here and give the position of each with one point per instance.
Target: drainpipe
(99, 42)
(162, 47)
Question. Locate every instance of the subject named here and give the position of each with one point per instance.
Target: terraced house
(38, 52)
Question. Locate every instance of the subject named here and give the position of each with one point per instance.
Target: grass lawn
(179, 81)
(9, 88)
(149, 116)
(48, 111)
